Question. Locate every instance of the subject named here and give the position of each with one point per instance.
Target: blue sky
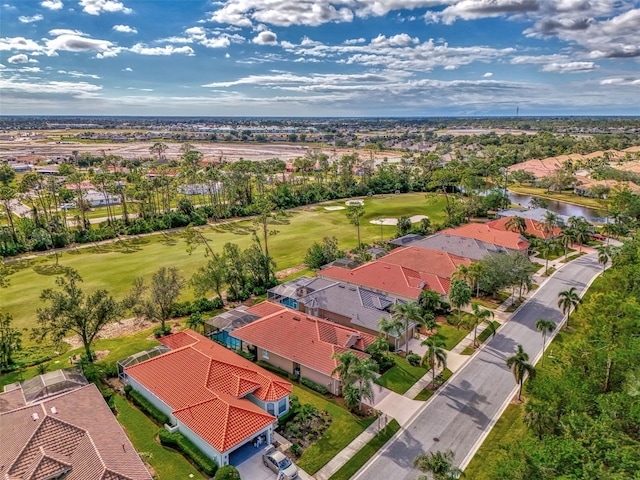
(320, 58)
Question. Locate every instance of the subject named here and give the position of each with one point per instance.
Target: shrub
(161, 332)
(183, 444)
(321, 389)
(228, 472)
(273, 368)
(248, 355)
(146, 406)
(413, 359)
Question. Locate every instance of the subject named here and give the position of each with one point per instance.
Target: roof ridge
(97, 450)
(202, 402)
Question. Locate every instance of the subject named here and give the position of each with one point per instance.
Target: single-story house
(99, 199)
(58, 426)
(512, 241)
(213, 396)
(464, 247)
(303, 344)
(533, 227)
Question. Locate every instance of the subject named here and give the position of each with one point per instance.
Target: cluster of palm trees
(357, 376)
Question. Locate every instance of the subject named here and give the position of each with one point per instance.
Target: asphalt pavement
(460, 415)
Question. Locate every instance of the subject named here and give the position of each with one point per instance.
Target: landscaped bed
(426, 393)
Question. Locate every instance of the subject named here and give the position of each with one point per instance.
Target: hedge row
(184, 309)
(185, 446)
(321, 389)
(146, 406)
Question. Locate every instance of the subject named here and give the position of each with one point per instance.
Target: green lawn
(507, 429)
(168, 463)
(115, 266)
(426, 392)
(401, 377)
(343, 429)
(482, 337)
(354, 464)
(453, 335)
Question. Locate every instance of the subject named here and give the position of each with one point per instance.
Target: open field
(116, 265)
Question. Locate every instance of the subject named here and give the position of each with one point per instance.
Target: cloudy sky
(320, 57)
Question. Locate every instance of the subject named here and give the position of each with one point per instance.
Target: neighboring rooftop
(304, 339)
(481, 231)
(73, 436)
(437, 262)
(205, 384)
(456, 245)
(533, 227)
(300, 287)
(230, 320)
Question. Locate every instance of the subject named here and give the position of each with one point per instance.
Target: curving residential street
(462, 413)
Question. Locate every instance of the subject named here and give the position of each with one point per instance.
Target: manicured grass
(482, 337)
(426, 392)
(485, 304)
(167, 463)
(572, 257)
(354, 464)
(507, 430)
(562, 197)
(401, 377)
(343, 429)
(115, 266)
(453, 336)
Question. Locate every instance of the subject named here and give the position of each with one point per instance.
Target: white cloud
(19, 43)
(354, 41)
(62, 31)
(19, 58)
(142, 49)
(124, 29)
(34, 18)
(220, 42)
(570, 67)
(96, 7)
(30, 69)
(226, 55)
(76, 43)
(474, 9)
(128, 69)
(487, 75)
(266, 38)
(79, 74)
(52, 4)
(43, 88)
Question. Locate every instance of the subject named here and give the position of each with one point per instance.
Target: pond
(590, 214)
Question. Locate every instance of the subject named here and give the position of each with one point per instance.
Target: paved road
(462, 413)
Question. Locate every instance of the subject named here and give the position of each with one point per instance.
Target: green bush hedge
(184, 445)
(321, 389)
(228, 472)
(273, 368)
(146, 406)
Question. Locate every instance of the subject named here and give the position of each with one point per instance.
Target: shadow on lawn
(51, 269)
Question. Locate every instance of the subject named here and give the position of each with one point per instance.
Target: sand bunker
(394, 221)
(354, 202)
(331, 209)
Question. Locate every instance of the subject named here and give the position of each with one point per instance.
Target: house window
(282, 406)
(265, 354)
(271, 409)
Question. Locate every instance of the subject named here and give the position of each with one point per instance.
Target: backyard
(116, 265)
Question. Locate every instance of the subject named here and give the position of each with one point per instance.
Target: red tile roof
(534, 228)
(264, 308)
(389, 278)
(484, 233)
(74, 432)
(425, 260)
(199, 379)
(309, 341)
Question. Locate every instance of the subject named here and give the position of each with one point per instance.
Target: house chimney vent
(54, 410)
(34, 416)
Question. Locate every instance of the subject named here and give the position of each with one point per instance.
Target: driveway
(461, 414)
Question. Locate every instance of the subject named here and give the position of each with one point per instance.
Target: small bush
(161, 332)
(321, 389)
(413, 359)
(183, 444)
(273, 368)
(228, 472)
(146, 406)
(248, 355)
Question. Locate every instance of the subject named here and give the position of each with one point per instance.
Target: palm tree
(354, 214)
(364, 373)
(195, 321)
(604, 254)
(474, 272)
(440, 464)
(568, 300)
(516, 224)
(344, 367)
(461, 273)
(549, 223)
(435, 356)
(520, 366)
(479, 316)
(567, 238)
(391, 326)
(545, 327)
(459, 296)
(548, 247)
(406, 313)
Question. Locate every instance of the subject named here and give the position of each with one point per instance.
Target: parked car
(597, 236)
(278, 462)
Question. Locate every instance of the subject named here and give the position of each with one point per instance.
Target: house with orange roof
(219, 400)
(308, 348)
(533, 227)
(512, 241)
(404, 273)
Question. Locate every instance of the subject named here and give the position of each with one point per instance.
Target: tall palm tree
(604, 254)
(364, 373)
(344, 367)
(391, 326)
(480, 315)
(516, 224)
(568, 300)
(435, 356)
(459, 296)
(474, 272)
(546, 327)
(520, 366)
(407, 313)
(461, 273)
(567, 238)
(439, 464)
(549, 223)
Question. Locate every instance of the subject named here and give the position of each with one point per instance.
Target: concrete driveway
(253, 469)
